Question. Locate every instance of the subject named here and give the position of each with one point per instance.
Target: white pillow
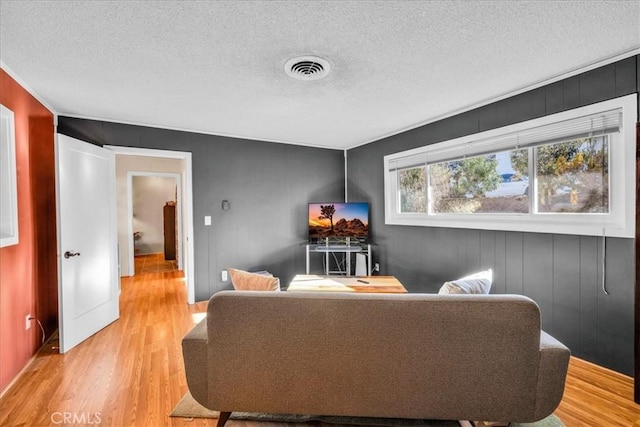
(478, 283)
(245, 281)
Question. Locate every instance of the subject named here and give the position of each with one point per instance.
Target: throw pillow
(245, 281)
(478, 283)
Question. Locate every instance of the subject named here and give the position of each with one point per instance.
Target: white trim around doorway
(187, 201)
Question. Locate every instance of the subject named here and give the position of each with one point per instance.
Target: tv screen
(338, 220)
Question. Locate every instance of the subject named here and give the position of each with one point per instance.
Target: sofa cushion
(477, 283)
(245, 281)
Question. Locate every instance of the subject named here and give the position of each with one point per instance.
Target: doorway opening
(154, 212)
(156, 165)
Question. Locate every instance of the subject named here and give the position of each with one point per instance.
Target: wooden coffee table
(360, 284)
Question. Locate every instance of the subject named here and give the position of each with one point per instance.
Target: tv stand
(347, 248)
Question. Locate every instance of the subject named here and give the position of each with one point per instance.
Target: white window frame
(618, 222)
(8, 180)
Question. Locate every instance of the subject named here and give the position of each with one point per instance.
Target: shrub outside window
(573, 176)
(570, 173)
(413, 187)
(481, 184)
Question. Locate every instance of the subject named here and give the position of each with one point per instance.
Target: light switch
(207, 220)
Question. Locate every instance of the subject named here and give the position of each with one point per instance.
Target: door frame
(178, 179)
(187, 201)
(636, 334)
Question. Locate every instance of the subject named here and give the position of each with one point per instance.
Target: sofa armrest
(195, 353)
(552, 373)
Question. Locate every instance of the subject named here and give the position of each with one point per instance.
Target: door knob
(71, 254)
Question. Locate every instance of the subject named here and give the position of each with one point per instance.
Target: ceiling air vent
(307, 68)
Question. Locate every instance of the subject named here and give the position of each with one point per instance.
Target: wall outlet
(224, 275)
(376, 267)
(27, 322)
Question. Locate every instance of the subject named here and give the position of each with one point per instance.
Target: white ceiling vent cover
(307, 68)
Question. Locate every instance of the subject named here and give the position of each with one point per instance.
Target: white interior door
(89, 284)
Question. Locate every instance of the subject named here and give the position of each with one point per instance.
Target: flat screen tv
(338, 220)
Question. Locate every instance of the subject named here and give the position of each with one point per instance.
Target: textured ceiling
(217, 67)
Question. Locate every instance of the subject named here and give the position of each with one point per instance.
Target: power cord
(41, 328)
(340, 265)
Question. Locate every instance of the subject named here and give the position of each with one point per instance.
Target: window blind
(592, 125)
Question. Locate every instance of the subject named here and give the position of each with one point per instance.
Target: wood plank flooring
(131, 373)
(595, 396)
(154, 263)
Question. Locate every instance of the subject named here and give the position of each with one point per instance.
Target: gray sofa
(449, 357)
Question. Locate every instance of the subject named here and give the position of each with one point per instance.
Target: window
(8, 192)
(571, 172)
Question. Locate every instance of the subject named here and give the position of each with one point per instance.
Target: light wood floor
(131, 373)
(154, 263)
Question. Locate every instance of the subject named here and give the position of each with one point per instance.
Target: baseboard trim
(27, 365)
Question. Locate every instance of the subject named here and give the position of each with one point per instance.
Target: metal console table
(346, 248)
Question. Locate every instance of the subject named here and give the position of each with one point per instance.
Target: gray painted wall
(563, 274)
(267, 184)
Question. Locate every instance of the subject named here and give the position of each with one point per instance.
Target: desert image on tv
(338, 220)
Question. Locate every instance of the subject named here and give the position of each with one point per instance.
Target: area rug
(189, 408)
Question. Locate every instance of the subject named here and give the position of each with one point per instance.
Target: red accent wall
(28, 270)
